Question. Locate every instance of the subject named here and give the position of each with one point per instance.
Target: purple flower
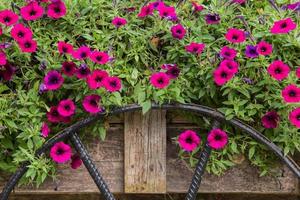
(212, 18)
(251, 51)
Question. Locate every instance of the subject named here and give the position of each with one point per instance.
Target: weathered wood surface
(145, 152)
(109, 158)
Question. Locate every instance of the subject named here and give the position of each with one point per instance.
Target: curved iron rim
(198, 109)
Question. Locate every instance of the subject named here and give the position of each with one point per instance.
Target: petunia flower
(160, 80)
(278, 70)
(69, 68)
(264, 48)
(32, 11)
(189, 140)
(60, 152)
(64, 48)
(56, 9)
(235, 35)
(8, 17)
(119, 21)
(291, 94)
(222, 75)
(20, 32)
(178, 31)
(96, 79)
(270, 120)
(217, 139)
(228, 53)
(112, 84)
(195, 48)
(294, 117)
(283, 26)
(91, 104)
(53, 80)
(66, 108)
(28, 45)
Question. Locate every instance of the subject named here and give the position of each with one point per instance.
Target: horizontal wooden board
(108, 156)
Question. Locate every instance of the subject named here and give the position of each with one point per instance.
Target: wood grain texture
(145, 152)
(108, 156)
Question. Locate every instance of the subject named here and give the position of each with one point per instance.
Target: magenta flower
(239, 1)
(197, 7)
(222, 75)
(112, 84)
(160, 80)
(28, 45)
(278, 70)
(217, 139)
(212, 18)
(20, 32)
(64, 48)
(270, 120)
(53, 80)
(294, 6)
(76, 161)
(146, 11)
(7, 71)
(294, 117)
(99, 57)
(189, 140)
(69, 68)
(45, 130)
(96, 79)
(228, 53)
(83, 71)
(81, 53)
(231, 65)
(60, 152)
(235, 35)
(251, 51)
(8, 17)
(298, 72)
(178, 31)
(1, 31)
(53, 115)
(3, 59)
(119, 21)
(32, 11)
(195, 48)
(66, 108)
(264, 48)
(167, 66)
(283, 26)
(291, 94)
(167, 12)
(56, 10)
(173, 72)
(91, 104)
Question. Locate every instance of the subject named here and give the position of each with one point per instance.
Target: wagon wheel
(70, 133)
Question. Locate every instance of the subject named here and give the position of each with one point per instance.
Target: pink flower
(235, 35)
(91, 103)
(173, 72)
(195, 48)
(119, 21)
(96, 79)
(189, 140)
(217, 139)
(81, 53)
(222, 75)
(264, 48)
(56, 9)
(32, 11)
(45, 130)
(64, 48)
(298, 72)
(283, 26)
(76, 161)
(66, 108)
(83, 71)
(231, 65)
(145, 11)
(112, 84)
(1, 31)
(60, 152)
(270, 120)
(53, 80)
(99, 57)
(8, 17)
(197, 7)
(291, 94)
(178, 31)
(28, 45)
(160, 80)
(69, 68)
(294, 117)
(228, 53)
(20, 32)
(167, 12)
(53, 115)
(167, 66)
(3, 59)
(278, 70)
(239, 1)
(7, 71)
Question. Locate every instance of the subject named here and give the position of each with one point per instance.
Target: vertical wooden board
(145, 152)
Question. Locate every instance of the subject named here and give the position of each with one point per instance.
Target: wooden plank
(145, 152)
(108, 156)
